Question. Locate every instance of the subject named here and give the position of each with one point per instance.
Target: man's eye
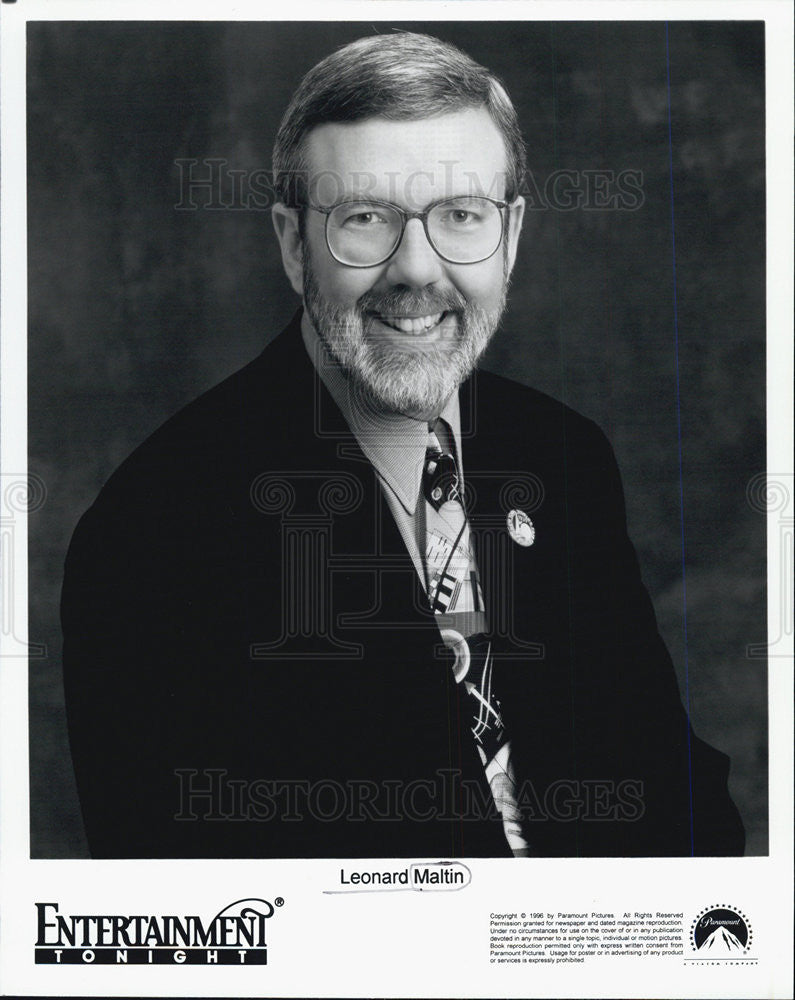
(461, 217)
(363, 220)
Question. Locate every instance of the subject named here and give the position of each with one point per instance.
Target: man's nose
(415, 263)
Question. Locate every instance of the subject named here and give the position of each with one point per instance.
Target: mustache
(399, 300)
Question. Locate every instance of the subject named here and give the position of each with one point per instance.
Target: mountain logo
(721, 932)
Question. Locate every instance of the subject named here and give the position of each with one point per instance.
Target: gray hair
(402, 77)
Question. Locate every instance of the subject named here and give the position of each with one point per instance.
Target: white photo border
(408, 944)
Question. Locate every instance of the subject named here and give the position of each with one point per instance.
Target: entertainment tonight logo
(235, 936)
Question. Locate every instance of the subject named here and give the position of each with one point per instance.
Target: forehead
(410, 163)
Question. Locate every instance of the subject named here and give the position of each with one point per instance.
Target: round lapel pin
(520, 528)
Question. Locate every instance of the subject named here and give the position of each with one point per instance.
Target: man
(359, 600)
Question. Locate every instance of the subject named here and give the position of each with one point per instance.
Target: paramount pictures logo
(721, 933)
(234, 936)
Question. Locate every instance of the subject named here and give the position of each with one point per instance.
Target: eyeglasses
(463, 230)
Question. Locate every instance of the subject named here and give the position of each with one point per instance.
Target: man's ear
(285, 222)
(515, 217)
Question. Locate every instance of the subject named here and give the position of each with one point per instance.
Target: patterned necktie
(453, 584)
(456, 597)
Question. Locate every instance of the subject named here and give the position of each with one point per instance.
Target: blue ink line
(679, 436)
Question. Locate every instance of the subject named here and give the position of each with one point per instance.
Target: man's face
(409, 330)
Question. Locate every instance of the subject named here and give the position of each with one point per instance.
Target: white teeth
(418, 324)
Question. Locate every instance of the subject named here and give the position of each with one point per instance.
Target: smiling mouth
(412, 324)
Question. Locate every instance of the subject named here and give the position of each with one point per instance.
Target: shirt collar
(394, 444)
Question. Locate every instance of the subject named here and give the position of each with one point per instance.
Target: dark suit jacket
(240, 615)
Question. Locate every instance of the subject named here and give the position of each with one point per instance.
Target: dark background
(136, 308)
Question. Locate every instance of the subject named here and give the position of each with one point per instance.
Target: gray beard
(395, 379)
